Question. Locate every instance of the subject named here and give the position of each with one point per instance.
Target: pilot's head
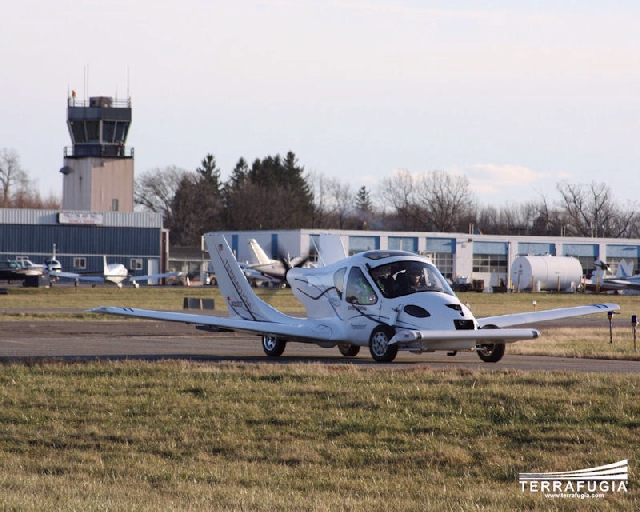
(415, 274)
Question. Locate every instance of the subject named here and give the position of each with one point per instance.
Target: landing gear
(348, 350)
(379, 346)
(491, 353)
(272, 345)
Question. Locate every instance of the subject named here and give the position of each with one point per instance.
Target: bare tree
(591, 211)
(341, 201)
(434, 201)
(155, 189)
(444, 201)
(397, 195)
(26, 195)
(10, 173)
(320, 189)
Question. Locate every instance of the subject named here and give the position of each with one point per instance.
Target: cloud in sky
(494, 179)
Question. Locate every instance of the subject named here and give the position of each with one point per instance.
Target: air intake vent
(463, 325)
(416, 311)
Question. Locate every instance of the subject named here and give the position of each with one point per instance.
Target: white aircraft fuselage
(388, 300)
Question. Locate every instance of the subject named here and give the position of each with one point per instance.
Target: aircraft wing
(631, 283)
(133, 279)
(544, 316)
(298, 329)
(258, 276)
(80, 277)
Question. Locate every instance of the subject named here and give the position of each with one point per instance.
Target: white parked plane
(602, 281)
(386, 300)
(115, 273)
(275, 269)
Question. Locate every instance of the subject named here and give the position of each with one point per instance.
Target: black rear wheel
(272, 345)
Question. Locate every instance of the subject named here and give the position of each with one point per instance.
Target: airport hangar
(80, 239)
(483, 258)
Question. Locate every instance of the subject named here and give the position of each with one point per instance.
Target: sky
(516, 96)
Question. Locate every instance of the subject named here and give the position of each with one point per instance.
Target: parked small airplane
(115, 273)
(602, 281)
(28, 268)
(386, 300)
(275, 269)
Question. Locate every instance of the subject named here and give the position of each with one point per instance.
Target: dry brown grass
(183, 436)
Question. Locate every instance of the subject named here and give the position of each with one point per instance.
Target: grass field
(185, 436)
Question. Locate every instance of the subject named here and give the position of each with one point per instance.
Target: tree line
(277, 193)
(17, 190)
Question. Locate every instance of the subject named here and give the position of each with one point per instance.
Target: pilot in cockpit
(412, 280)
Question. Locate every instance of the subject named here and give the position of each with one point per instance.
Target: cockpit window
(359, 291)
(406, 277)
(380, 255)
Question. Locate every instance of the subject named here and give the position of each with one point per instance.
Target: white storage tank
(553, 273)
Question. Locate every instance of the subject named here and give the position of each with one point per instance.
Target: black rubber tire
(491, 353)
(348, 350)
(272, 345)
(379, 346)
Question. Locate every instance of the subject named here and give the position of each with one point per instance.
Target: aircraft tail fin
(241, 301)
(625, 269)
(601, 269)
(258, 256)
(105, 270)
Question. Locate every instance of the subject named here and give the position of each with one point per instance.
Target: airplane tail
(105, 270)
(601, 269)
(241, 301)
(625, 269)
(258, 256)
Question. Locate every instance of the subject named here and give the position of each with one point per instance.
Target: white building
(486, 258)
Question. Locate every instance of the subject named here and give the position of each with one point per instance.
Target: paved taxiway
(152, 340)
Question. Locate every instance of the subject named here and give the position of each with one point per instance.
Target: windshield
(407, 277)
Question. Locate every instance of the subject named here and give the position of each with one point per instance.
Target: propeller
(286, 263)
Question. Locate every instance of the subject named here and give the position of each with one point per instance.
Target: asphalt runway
(152, 340)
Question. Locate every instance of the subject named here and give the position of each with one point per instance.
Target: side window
(136, 264)
(80, 263)
(338, 281)
(359, 291)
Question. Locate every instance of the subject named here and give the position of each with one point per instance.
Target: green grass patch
(180, 436)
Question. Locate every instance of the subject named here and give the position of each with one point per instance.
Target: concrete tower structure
(98, 174)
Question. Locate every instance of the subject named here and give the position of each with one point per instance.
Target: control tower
(98, 171)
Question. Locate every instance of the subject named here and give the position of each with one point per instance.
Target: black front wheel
(379, 345)
(272, 345)
(491, 353)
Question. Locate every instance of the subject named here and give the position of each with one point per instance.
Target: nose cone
(438, 311)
